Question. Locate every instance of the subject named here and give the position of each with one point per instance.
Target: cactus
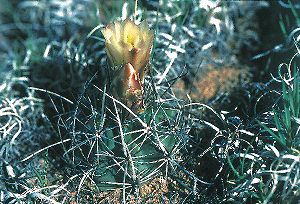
(139, 151)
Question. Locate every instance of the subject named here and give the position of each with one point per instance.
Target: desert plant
(126, 148)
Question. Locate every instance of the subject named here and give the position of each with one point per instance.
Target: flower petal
(131, 33)
(107, 33)
(118, 32)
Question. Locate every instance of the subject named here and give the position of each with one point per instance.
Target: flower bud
(126, 85)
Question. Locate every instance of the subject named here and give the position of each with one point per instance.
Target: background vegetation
(222, 98)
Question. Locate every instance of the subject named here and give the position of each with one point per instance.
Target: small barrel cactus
(136, 154)
(134, 150)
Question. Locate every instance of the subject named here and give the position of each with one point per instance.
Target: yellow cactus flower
(127, 42)
(128, 47)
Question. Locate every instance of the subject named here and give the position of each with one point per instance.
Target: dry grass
(212, 83)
